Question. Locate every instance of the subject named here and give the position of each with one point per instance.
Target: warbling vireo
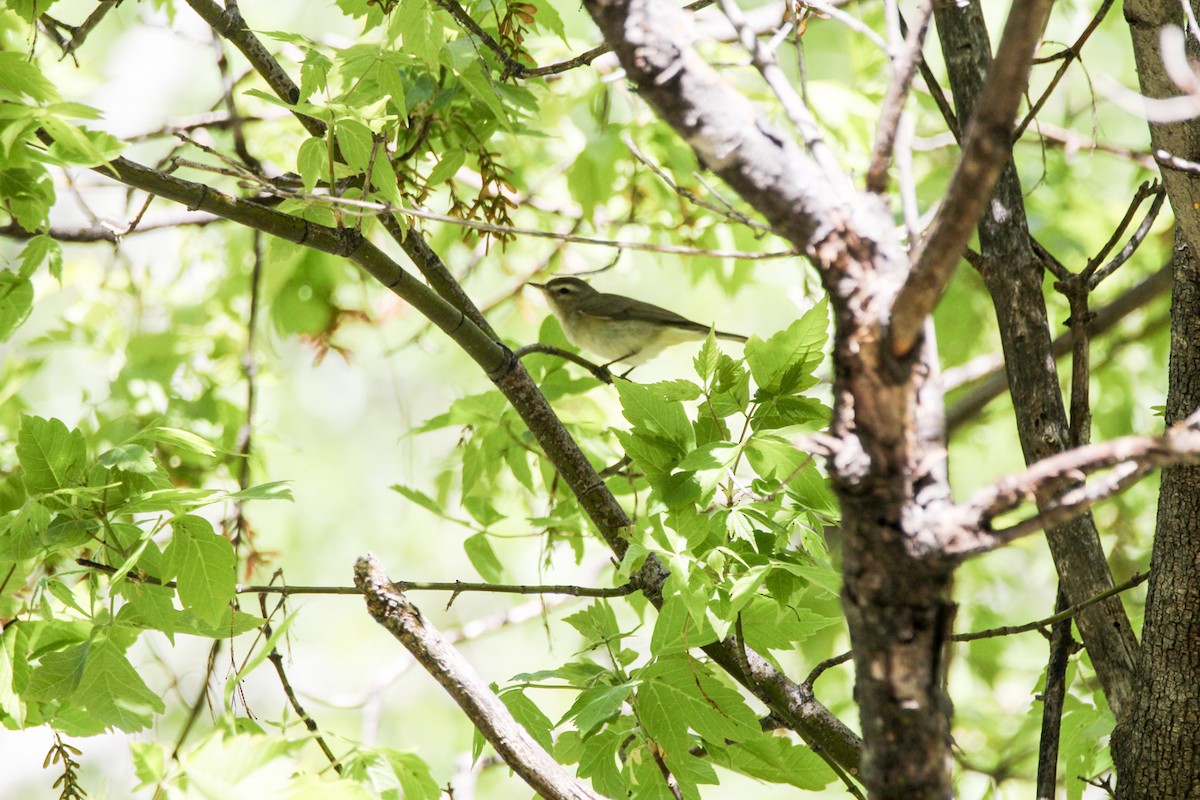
(619, 328)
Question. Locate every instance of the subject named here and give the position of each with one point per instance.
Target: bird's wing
(617, 305)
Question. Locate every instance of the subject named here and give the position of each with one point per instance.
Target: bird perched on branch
(619, 328)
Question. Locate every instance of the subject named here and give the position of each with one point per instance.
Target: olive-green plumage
(618, 328)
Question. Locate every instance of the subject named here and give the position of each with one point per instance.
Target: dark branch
(988, 147)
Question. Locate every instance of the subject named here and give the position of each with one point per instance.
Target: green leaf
(547, 17)
(777, 459)
(24, 533)
(707, 359)
(676, 631)
(597, 623)
(774, 759)
(416, 24)
(526, 712)
(416, 779)
(420, 498)
(477, 81)
(52, 457)
(356, 143)
(16, 301)
(205, 566)
(129, 458)
(111, 690)
(312, 161)
(272, 490)
(479, 550)
(783, 364)
(447, 168)
(184, 440)
(314, 73)
(41, 249)
(657, 408)
(597, 705)
(21, 80)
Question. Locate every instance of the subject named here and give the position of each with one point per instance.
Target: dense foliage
(165, 372)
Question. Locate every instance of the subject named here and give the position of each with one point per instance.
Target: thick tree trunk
(1013, 275)
(1157, 751)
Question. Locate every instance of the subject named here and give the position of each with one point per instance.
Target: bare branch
(600, 372)
(991, 375)
(512, 742)
(1068, 56)
(1129, 458)
(903, 70)
(987, 149)
(793, 105)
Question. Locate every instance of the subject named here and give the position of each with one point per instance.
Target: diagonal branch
(794, 703)
(491, 717)
(1130, 458)
(988, 147)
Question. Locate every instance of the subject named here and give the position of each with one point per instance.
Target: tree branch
(526, 757)
(904, 68)
(987, 149)
(1130, 458)
(992, 381)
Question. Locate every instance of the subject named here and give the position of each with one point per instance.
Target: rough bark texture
(1012, 273)
(897, 605)
(1157, 749)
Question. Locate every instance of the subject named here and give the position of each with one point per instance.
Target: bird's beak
(536, 285)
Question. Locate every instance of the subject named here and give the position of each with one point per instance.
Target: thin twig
(990, 376)
(1068, 56)
(1139, 235)
(276, 660)
(600, 372)
(444, 663)
(88, 25)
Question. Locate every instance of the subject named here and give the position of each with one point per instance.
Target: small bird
(619, 328)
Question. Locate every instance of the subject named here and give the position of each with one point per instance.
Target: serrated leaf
(41, 249)
(656, 409)
(312, 160)
(595, 706)
(420, 498)
(182, 439)
(416, 779)
(783, 362)
(356, 143)
(205, 566)
(20, 79)
(526, 712)
(271, 490)
(51, 456)
(447, 168)
(16, 301)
